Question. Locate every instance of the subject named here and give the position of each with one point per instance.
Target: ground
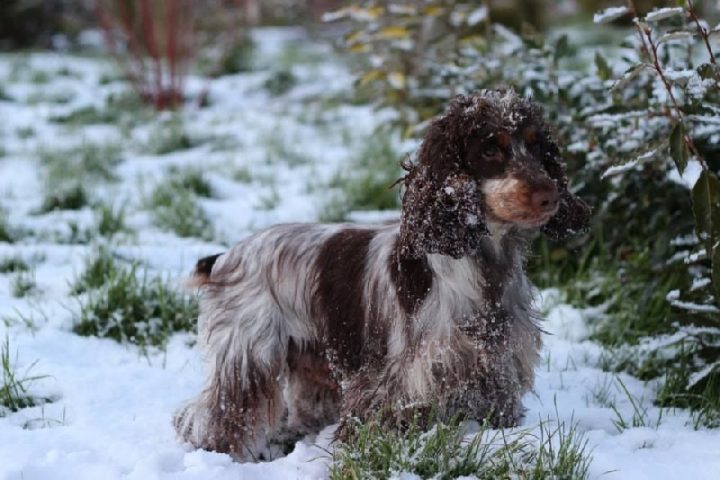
(269, 156)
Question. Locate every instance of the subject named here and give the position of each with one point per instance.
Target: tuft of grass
(640, 416)
(14, 394)
(110, 220)
(175, 207)
(279, 150)
(24, 133)
(170, 136)
(13, 264)
(445, 452)
(701, 397)
(72, 197)
(128, 305)
(366, 184)
(96, 270)
(23, 284)
(86, 116)
(270, 200)
(190, 179)
(68, 171)
(238, 58)
(123, 109)
(280, 82)
(242, 175)
(706, 410)
(4, 96)
(7, 234)
(92, 161)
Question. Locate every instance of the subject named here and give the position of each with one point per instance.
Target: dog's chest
(477, 297)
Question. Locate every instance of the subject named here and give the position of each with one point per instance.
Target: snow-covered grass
(254, 156)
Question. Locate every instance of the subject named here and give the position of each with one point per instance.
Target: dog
(305, 325)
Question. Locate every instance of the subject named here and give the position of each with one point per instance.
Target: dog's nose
(546, 199)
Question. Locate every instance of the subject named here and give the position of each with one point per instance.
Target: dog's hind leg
(312, 395)
(242, 408)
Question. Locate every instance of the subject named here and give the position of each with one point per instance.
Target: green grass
(24, 133)
(14, 393)
(67, 172)
(175, 207)
(366, 183)
(13, 264)
(23, 284)
(91, 161)
(269, 200)
(7, 233)
(95, 272)
(170, 136)
(445, 452)
(4, 96)
(128, 304)
(70, 197)
(110, 219)
(87, 116)
(640, 416)
(124, 109)
(279, 149)
(280, 82)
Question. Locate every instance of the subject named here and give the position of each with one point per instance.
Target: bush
(632, 118)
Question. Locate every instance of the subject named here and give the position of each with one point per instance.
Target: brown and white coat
(304, 325)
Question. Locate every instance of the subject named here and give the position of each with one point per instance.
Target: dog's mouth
(522, 220)
(513, 201)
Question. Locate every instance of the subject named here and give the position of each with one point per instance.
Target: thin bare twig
(646, 33)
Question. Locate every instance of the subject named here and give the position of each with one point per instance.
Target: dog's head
(490, 159)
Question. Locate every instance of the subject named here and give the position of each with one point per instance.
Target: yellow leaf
(371, 76)
(359, 48)
(393, 32)
(370, 13)
(433, 10)
(354, 37)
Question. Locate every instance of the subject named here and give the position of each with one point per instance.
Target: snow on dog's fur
(304, 325)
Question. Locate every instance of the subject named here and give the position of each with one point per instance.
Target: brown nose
(545, 200)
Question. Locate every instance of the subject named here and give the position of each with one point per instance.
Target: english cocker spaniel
(304, 325)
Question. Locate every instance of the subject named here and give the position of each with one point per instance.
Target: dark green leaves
(678, 149)
(706, 208)
(604, 70)
(708, 70)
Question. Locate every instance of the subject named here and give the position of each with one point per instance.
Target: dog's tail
(203, 269)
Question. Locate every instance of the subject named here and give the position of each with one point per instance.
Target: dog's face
(491, 158)
(508, 166)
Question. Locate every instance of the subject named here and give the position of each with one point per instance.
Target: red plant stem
(172, 50)
(136, 50)
(133, 74)
(661, 73)
(703, 32)
(148, 30)
(658, 68)
(633, 12)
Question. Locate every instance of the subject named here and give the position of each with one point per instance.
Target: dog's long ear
(441, 216)
(442, 208)
(573, 215)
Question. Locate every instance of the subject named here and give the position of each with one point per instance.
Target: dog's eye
(491, 152)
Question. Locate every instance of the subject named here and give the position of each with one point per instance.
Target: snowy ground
(113, 403)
